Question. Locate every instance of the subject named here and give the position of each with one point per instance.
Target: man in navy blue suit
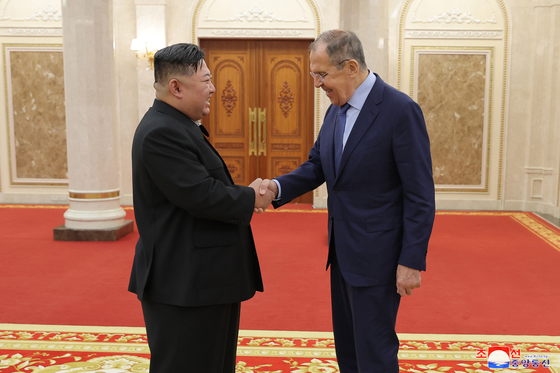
(373, 152)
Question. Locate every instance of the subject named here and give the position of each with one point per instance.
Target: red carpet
(488, 273)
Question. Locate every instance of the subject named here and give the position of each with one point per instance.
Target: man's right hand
(272, 186)
(263, 195)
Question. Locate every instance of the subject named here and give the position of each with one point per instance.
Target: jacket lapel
(190, 126)
(364, 121)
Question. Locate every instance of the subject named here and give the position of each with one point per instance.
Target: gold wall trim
(489, 130)
(312, 3)
(504, 81)
(104, 195)
(4, 56)
(195, 16)
(463, 190)
(505, 42)
(317, 90)
(401, 40)
(317, 121)
(12, 206)
(38, 183)
(558, 196)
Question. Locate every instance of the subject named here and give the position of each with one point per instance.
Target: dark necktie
(339, 134)
(204, 130)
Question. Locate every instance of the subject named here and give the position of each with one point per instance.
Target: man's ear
(353, 67)
(175, 88)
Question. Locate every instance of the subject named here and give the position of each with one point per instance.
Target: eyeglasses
(322, 76)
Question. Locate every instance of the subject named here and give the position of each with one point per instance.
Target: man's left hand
(407, 279)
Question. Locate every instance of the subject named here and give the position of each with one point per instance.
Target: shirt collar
(361, 93)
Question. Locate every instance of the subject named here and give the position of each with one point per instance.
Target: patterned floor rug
(73, 349)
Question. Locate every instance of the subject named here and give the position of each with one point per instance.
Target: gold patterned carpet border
(73, 349)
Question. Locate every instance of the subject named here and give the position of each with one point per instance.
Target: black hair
(176, 59)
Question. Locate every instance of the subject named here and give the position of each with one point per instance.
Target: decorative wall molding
(448, 34)
(26, 31)
(558, 194)
(150, 2)
(47, 14)
(249, 19)
(538, 170)
(546, 3)
(536, 188)
(455, 16)
(248, 32)
(255, 14)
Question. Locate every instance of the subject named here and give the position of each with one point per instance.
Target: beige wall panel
(474, 148)
(451, 92)
(37, 113)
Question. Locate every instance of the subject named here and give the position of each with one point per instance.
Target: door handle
(253, 131)
(262, 131)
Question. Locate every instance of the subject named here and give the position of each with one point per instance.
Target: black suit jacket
(196, 247)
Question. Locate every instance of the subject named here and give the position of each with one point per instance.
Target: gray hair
(341, 45)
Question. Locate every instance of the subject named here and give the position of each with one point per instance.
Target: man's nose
(317, 82)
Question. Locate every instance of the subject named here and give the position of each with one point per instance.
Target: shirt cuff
(279, 190)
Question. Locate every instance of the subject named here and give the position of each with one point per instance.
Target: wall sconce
(142, 51)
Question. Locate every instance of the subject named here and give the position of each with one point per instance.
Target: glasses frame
(322, 76)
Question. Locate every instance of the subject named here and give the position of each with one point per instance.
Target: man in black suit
(195, 261)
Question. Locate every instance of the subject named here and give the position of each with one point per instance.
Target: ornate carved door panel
(261, 119)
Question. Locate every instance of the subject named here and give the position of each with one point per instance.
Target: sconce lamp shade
(143, 51)
(137, 45)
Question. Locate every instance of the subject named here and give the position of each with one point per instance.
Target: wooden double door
(261, 115)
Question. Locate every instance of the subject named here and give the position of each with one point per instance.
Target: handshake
(265, 191)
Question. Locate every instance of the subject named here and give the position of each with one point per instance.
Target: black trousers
(192, 339)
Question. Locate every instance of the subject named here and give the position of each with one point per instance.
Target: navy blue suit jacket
(381, 204)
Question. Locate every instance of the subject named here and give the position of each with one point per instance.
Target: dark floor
(551, 219)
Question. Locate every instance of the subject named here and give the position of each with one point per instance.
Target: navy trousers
(364, 325)
(192, 339)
